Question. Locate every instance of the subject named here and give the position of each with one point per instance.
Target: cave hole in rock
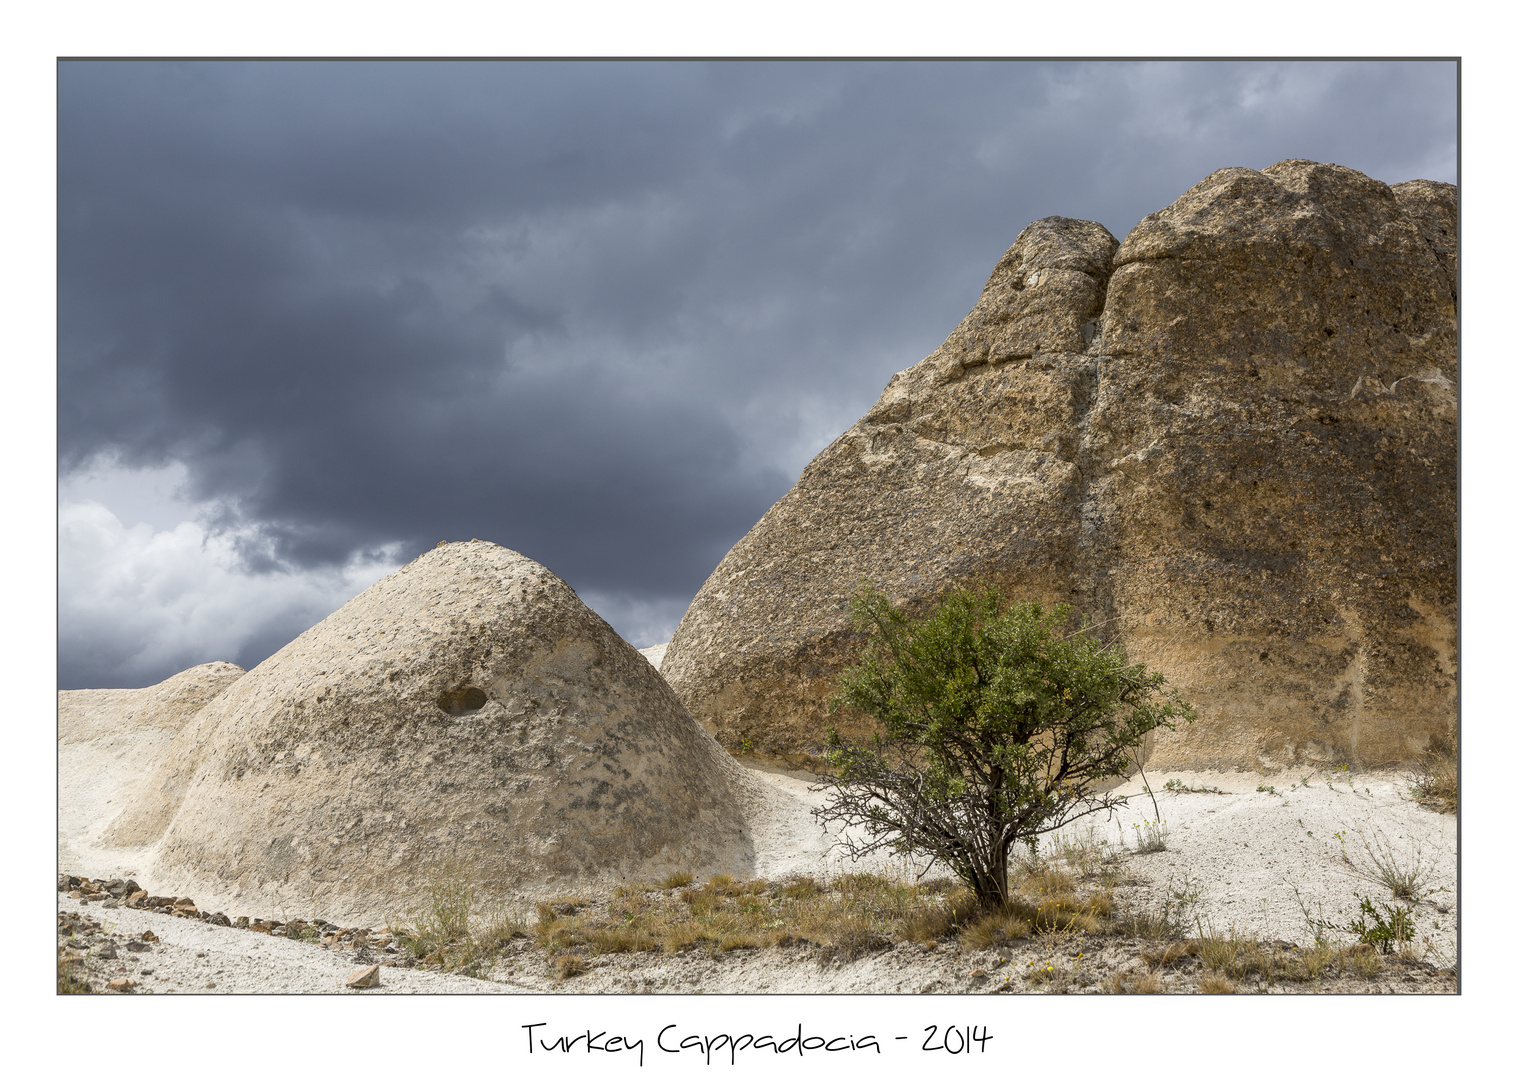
(461, 699)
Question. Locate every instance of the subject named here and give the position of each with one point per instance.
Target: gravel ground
(1240, 849)
(193, 957)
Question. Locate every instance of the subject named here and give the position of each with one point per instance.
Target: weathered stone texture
(86, 715)
(108, 739)
(1231, 441)
(466, 716)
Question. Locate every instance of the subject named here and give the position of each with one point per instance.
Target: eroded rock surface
(108, 739)
(465, 720)
(1229, 440)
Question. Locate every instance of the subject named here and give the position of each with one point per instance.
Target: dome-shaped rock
(107, 740)
(1230, 441)
(466, 715)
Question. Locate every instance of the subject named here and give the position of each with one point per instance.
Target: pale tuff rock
(108, 739)
(1230, 441)
(466, 716)
(93, 714)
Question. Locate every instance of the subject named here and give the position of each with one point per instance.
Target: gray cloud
(600, 313)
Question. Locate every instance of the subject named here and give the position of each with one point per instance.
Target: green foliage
(998, 722)
(1381, 926)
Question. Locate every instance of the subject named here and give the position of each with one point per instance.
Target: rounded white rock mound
(467, 716)
(108, 739)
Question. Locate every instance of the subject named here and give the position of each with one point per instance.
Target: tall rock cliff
(1229, 441)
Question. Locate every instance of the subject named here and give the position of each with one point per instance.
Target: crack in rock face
(1229, 439)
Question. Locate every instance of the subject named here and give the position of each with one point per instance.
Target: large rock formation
(465, 716)
(1229, 440)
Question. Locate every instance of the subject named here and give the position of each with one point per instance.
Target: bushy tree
(998, 722)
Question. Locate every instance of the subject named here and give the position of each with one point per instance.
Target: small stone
(123, 984)
(148, 935)
(107, 951)
(111, 903)
(136, 946)
(364, 978)
(978, 973)
(210, 986)
(137, 897)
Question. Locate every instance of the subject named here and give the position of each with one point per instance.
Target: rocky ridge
(1229, 441)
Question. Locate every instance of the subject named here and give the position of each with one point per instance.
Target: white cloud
(138, 603)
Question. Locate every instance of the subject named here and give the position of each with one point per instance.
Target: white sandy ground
(1239, 855)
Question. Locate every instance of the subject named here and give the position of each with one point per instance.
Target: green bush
(1381, 926)
(998, 722)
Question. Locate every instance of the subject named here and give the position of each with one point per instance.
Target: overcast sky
(315, 317)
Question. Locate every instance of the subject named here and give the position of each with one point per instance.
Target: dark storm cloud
(600, 313)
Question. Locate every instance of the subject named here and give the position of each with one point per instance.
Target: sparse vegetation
(1405, 876)
(1436, 778)
(1213, 982)
(841, 919)
(1382, 927)
(448, 931)
(1060, 903)
(1180, 788)
(1151, 836)
(1132, 982)
(71, 973)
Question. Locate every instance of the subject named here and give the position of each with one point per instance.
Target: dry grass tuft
(930, 923)
(800, 888)
(1170, 955)
(1363, 960)
(1405, 875)
(1048, 901)
(1436, 778)
(994, 929)
(447, 928)
(1213, 983)
(71, 974)
(1129, 982)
